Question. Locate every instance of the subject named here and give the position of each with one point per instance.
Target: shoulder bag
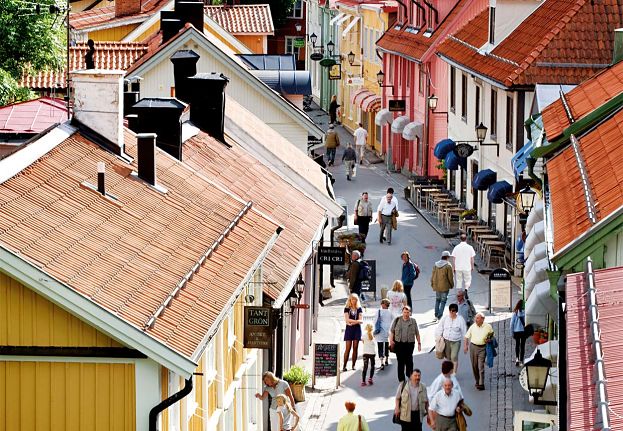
(377, 324)
(440, 347)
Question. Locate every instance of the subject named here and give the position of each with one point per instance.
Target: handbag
(440, 348)
(377, 324)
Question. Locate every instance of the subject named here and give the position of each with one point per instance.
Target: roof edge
(491, 81)
(76, 304)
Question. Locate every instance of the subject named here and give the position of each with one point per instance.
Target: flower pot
(298, 392)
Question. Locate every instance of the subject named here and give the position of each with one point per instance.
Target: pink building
(413, 73)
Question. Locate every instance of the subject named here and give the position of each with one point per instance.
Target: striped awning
(372, 103)
(359, 95)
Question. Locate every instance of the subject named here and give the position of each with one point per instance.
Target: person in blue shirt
(409, 274)
(518, 327)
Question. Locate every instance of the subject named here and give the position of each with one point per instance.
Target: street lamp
(481, 132)
(432, 102)
(298, 27)
(526, 197)
(300, 285)
(537, 370)
(330, 47)
(380, 78)
(313, 38)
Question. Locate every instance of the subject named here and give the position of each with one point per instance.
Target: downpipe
(153, 413)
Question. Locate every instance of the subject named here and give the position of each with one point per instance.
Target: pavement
(325, 403)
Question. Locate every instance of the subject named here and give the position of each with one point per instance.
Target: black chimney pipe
(184, 66)
(169, 24)
(164, 117)
(208, 103)
(190, 12)
(146, 152)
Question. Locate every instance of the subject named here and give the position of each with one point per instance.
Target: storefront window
(463, 186)
(492, 215)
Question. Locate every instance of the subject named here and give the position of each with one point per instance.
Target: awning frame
(350, 26)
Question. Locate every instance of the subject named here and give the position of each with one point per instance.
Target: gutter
(465, 69)
(155, 412)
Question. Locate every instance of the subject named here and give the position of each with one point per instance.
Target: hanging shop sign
(257, 328)
(316, 56)
(397, 105)
(335, 72)
(331, 255)
(464, 150)
(354, 80)
(299, 42)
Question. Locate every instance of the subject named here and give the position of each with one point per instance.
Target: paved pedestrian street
(325, 404)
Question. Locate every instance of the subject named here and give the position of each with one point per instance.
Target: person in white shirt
(444, 406)
(387, 206)
(385, 319)
(286, 414)
(369, 354)
(463, 255)
(361, 136)
(397, 299)
(452, 328)
(447, 372)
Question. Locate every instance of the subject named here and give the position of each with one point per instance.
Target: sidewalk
(325, 404)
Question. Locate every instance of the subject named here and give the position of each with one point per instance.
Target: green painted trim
(584, 249)
(594, 117)
(553, 277)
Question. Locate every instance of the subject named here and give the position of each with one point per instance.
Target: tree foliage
(28, 39)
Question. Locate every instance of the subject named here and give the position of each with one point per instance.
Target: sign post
(500, 291)
(257, 328)
(331, 255)
(326, 362)
(370, 285)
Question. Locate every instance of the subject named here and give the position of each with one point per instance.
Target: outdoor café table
(482, 239)
(464, 223)
(442, 204)
(471, 230)
(423, 191)
(491, 244)
(418, 191)
(432, 196)
(450, 211)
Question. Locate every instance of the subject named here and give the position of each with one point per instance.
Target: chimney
(184, 66)
(207, 102)
(618, 46)
(164, 117)
(190, 12)
(170, 24)
(146, 155)
(127, 7)
(101, 178)
(97, 100)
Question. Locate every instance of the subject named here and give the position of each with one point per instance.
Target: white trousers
(361, 149)
(463, 279)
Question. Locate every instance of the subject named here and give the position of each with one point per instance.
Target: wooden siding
(149, 31)
(28, 319)
(67, 396)
(255, 43)
(111, 34)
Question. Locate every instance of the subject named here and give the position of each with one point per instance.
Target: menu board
(500, 290)
(370, 285)
(325, 360)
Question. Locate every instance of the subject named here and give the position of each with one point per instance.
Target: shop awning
(384, 117)
(540, 304)
(371, 103)
(398, 125)
(536, 235)
(350, 26)
(413, 130)
(359, 95)
(519, 162)
(452, 161)
(537, 274)
(443, 147)
(484, 179)
(498, 191)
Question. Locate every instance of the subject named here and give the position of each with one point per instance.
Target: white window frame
(289, 47)
(294, 9)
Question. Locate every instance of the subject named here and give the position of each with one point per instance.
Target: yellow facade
(111, 34)
(68, 396)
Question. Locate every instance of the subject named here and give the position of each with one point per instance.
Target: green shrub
(297, 375)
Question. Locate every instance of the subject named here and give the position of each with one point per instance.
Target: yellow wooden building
(359, 26)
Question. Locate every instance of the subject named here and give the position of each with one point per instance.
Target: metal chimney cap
(146, 135)
(215, 76)
(185, 54)
(160, 102)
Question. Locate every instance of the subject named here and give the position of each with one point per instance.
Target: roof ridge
(546, 39)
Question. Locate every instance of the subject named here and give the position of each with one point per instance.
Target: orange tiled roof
(105, 16)
(245, 176)
(602, 154)
(243, 19)
(108, 55)
(129, 255)
(583, 99)
(561, 42)
(405, 43)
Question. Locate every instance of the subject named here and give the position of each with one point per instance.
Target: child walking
(369, 353)
(286, 414)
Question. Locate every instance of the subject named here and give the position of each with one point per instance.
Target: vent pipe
(618, 46)
(101, 178)
(146, 150)
(184, 66)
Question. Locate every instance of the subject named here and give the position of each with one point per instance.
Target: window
(297, 9)
(290, 48)
(422, 81)
(509, 123)
(477, 110)
(492, 25)
(494, 114)
(452, 88)
(407, 75)
(492, 216)
(463, 97)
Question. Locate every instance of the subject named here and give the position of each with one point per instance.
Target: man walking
(410, 272)
(403, 334)
(411, 402)
(441, 281)
(476, 337)
(331, 142)
(361, 136)
(463, 255)
(354, 281)
(444, 406)
(466, 308)
(350, 159)
(386, 208)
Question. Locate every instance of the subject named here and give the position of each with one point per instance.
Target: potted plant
(297, 377)
(539, 336)
(469, 214)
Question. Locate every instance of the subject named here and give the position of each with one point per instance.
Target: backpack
(471, 313)
(416, 269)
(365, 271)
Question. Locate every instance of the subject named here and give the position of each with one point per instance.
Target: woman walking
(369, 353)
(397, 298)
(333, 109)
(286, 414)
(452, 329)
(518, 328)
(274, 386)
(383, 323)
(363, 215)
(353, 316)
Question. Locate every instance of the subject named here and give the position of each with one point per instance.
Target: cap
(331, 126)
(445, 253)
